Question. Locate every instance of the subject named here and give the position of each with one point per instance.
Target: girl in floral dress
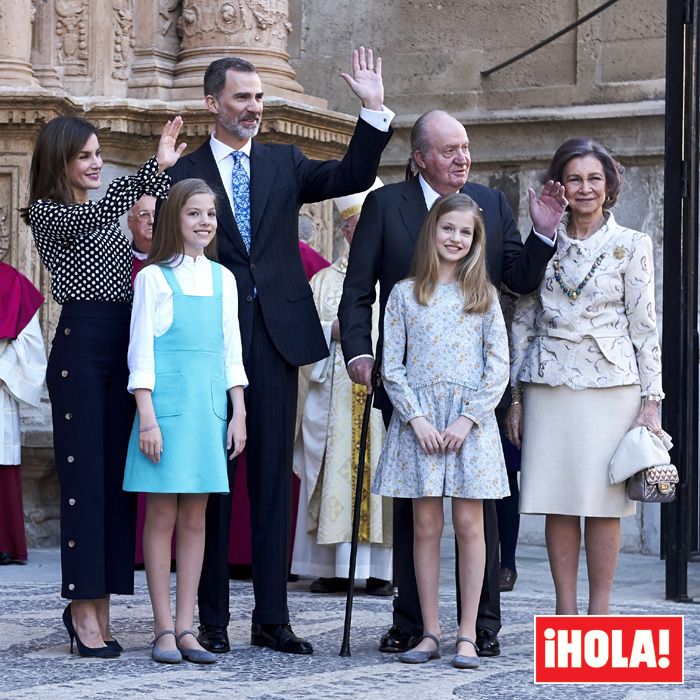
(445, 367)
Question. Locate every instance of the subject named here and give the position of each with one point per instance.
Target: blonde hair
(477, 290)
(167, 237)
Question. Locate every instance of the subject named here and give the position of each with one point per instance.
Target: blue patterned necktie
(241, 198)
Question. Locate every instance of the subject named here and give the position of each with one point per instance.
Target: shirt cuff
(154, 183)
(467, 414)
(357, 357)
(236, 376)
(379, 120)
(551, 242)
(141, 379)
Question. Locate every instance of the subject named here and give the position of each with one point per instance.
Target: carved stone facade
(72, 17)
(128, 66)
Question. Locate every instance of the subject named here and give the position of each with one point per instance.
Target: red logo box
(608, 649)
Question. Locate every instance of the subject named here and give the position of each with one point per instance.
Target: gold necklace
(572, 234)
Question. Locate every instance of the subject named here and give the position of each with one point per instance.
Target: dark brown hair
(58, 142)
(477, 290)
(215, 76)
(167, 238)
(577, 148)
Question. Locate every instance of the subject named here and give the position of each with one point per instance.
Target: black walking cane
(345, 645)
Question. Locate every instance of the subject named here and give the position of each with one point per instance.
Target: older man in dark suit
(382, 251)
(260, 188)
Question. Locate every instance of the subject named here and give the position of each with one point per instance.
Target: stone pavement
(34, 659)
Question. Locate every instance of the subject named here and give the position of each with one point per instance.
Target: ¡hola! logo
(608, 649)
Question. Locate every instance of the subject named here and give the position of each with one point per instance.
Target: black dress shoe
(507, 579)
(378, 586)
(487, 643)
(214, 638)
(397, 640)
(329, 585)
(6, 558)
(279, 638)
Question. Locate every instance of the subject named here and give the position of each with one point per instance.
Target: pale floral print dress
(456, 364)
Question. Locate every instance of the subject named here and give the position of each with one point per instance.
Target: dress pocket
(167, 394)
(218, 396)
(618, 351)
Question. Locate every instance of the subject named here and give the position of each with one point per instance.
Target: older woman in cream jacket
(586, 367)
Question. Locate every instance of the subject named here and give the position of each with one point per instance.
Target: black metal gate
(680, 526)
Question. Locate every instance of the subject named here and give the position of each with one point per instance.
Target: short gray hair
(420, 140)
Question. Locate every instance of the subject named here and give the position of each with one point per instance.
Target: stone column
(44, 46)
(252, 29)
(16, 18)
(155, 49)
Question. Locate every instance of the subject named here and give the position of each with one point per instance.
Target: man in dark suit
(382, 251)
(260, 188)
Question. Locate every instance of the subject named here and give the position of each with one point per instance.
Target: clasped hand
(431, 440)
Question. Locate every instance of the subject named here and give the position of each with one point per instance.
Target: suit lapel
(263, 170)
(205, 168)
(412, 208)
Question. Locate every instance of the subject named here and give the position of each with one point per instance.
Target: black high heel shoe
(114, 644)
(94, 652)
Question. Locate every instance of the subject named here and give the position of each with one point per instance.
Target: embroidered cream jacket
(607, 336)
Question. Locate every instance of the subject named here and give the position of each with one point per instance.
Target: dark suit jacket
(382, 250)
(281, 180)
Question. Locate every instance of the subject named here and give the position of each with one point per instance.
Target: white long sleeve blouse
(152, 316)
(607, 335)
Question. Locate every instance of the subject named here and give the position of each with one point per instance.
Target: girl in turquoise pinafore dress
(184, 355)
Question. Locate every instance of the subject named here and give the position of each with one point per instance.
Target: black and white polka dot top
(82, 245)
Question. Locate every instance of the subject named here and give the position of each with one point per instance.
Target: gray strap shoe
(421, 657)
(165, 656)
(459, 661)
(196, 656)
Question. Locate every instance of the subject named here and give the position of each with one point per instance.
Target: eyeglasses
(145, 216)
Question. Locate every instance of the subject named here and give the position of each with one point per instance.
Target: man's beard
(243, 132)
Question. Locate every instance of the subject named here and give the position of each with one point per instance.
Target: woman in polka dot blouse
(89, 258)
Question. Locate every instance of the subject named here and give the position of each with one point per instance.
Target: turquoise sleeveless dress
(189, 399)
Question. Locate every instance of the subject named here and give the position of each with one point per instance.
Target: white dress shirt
(224, 161)
(152, 316)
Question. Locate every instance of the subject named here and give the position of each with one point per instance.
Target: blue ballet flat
(460, 661)
(420, 657)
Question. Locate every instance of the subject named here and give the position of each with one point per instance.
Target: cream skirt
(569, 438)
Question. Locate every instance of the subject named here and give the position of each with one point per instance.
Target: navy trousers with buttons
(92, 412)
